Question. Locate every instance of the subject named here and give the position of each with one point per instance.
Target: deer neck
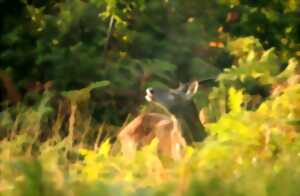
(192, 129)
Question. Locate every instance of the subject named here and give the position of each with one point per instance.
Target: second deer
(174, 130)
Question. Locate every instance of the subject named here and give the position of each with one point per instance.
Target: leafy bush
(74, 43)
(60, 139)
(248, 151)
(273, 22)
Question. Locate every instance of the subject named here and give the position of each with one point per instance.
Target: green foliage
(83, 95)
(235, 100)
(275, 23)
(246, 148)
(74, 43)
(60, 140)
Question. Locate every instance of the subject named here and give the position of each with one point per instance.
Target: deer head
(173, 131)
(180, 104)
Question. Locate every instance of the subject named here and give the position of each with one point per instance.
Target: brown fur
(145, 127)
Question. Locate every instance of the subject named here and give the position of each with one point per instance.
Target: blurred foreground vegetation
(73, 72)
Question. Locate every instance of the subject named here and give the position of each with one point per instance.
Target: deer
(176, 129)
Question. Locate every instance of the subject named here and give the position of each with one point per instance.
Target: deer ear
(192, 88)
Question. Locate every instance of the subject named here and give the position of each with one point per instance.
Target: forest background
(73, 72)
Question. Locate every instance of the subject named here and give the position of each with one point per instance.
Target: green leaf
(235, 99)
(294, 122)
(83, 95)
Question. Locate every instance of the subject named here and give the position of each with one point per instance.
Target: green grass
(55, 147)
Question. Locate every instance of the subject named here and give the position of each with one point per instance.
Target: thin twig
(110, 30)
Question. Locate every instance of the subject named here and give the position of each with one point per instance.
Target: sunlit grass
(58, 149)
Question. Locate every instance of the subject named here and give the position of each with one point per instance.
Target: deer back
(145, 127)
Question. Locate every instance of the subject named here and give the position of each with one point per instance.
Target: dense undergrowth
(58, 126)
(55, 147)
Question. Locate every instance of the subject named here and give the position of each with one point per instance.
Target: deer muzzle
(149, 94)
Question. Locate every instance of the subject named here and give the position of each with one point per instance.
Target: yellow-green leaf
(235, 99)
